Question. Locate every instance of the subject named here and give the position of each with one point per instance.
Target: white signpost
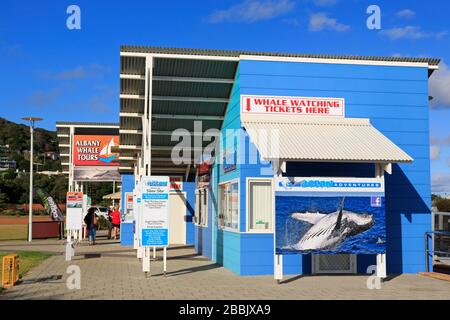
(154, 217)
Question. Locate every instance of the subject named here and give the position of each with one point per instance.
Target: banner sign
(74, 210)
(49, 204)
(292, 106)
(91, 150)
(155, 211)
(330, 215)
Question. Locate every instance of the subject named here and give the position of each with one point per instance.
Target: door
(333, 263)
(177, 218)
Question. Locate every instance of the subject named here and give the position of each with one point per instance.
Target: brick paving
(109, 271)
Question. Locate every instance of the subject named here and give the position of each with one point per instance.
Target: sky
(59, 74)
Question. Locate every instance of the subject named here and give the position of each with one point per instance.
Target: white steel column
(30, 204)
(278, 258)
(71, 134)
(381, 258)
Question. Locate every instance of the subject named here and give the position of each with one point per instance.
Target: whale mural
(329, 221)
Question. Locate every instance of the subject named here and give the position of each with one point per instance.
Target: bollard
(69, 251)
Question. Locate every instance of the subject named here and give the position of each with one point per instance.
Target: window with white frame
(229, 205)
(260, 205)
(201, 207)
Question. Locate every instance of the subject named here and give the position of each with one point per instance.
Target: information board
(155, 211)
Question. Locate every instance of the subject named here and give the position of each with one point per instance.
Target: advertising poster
(89, 150)
(74, 210)
(155, 211)
(94, 158)
(330, 215)
(93, 173)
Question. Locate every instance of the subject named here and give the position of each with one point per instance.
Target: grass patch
(13, 232)
(27, 261)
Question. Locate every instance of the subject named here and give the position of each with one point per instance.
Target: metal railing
(440, 247)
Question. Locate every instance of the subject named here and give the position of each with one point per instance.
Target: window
(201, 207)
(260, 205)
(229, 205)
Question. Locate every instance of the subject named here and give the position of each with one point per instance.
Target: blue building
(367, 117)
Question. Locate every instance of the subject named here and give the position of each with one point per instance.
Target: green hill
(17, 136)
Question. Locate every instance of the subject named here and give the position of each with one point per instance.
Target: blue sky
(72, 75)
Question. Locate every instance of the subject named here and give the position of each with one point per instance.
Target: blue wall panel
(126, 229)
(127, 186)
(396, 101)
(189, 188)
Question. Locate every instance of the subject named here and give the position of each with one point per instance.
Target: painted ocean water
(289, 231)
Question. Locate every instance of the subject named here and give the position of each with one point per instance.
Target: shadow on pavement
(190, 270)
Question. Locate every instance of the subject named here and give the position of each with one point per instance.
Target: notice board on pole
(330, 215)
(74, 210)
(155, 211)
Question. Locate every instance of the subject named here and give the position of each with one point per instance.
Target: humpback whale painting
(329, 225)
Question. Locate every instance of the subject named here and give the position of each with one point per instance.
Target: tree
(442, 204)
(3, 200)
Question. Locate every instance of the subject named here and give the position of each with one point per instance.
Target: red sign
(292, 106)
(95, 150)
(176, 183)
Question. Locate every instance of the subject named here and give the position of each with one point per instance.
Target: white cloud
(42, 98)
(439, 87)
(80, 72)
(252, 11)
(321, 21)
(434, 152)
(411, 33)
(440, 182)
(406, 13)
(324, 3)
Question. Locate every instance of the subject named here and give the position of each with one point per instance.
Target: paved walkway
(109, 271)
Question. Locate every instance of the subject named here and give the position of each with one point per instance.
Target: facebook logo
(375, 201)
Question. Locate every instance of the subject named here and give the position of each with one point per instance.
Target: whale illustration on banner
(330, 230)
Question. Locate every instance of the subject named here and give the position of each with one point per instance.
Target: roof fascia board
(337, 61)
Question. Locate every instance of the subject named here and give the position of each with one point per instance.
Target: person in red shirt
(115, 220)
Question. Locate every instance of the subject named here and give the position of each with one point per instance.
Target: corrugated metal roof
(312, 139)
(132, 65)
(191, 89)
(194, 68)
(237, 53)
(189, 107)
